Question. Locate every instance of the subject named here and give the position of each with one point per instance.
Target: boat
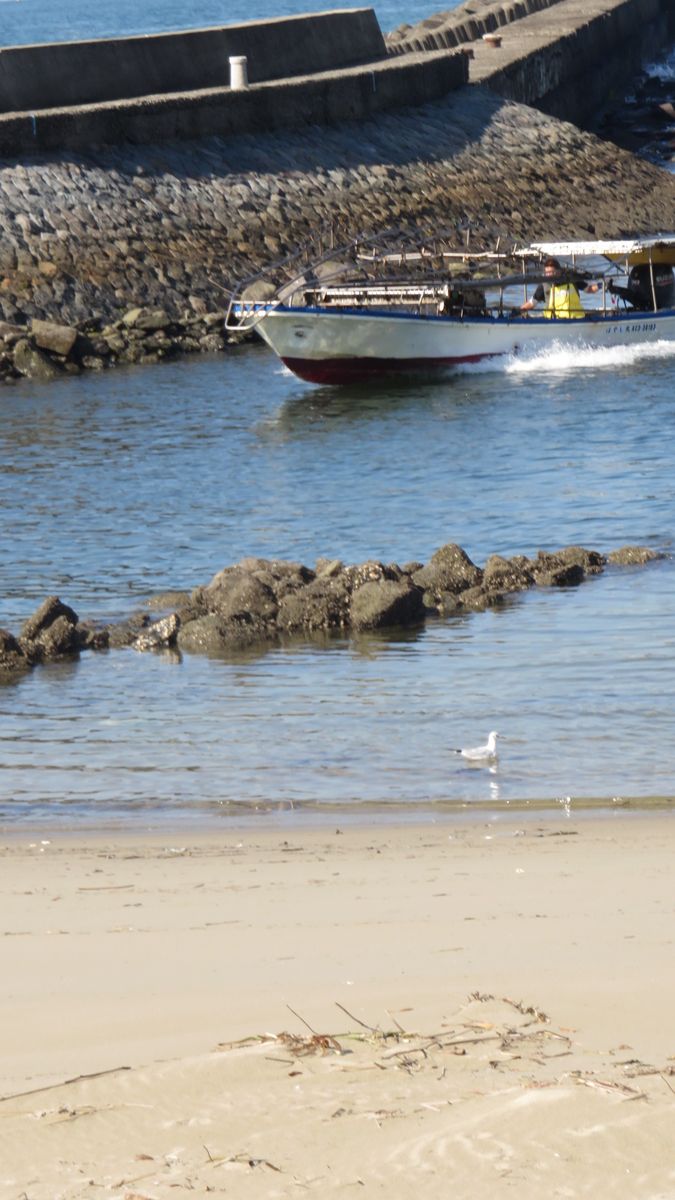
(377, 308)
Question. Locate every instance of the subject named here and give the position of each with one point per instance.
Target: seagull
(481, 753)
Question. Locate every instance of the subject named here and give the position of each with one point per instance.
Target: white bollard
(238, 72)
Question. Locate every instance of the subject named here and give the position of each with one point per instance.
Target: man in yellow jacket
(562, 297)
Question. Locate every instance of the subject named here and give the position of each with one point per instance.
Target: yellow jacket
(563, 301)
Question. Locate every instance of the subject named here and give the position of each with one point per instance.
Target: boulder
(550, 571)
(126, 632)
(370, 572)
(34, 363)
(170, 599)
(239, 593)
(591, 561)
(13, 658)
(328, 568)
(90, 637)
(505, 575)
(213, 634)
(383, 603)
(322, 604)
(158, 634)
(59, 339)
(476, 599)
(10, 333)
(49, 611)
(630, 556)
(146, 319)
(60, 639)
(449, 570)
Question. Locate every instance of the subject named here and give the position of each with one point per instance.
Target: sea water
(119, 485)
(116, 486)
(27, 21)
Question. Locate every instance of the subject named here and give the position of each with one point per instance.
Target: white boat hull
(325, 346)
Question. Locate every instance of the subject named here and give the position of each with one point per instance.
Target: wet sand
(347, 961)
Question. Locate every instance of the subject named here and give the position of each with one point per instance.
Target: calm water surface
(115, 486)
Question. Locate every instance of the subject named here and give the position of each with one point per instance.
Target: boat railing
(428, 277)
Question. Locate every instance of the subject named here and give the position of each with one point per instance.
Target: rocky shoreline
(258, 602)
(46, 350)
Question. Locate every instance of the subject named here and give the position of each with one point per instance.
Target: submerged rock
(629, 556)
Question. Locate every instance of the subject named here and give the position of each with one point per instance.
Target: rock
(49, 611)
(590, 560)
(151, 319)
(384, 602)
(131, 316)
(59, 339)
(214, 635)
(11, 333)
(550, 571)
(476, 599)
(160, 633)
(447, 602)
(171, 599)
(629, 556)
(13, 658)
(505, 575)
(328, 568)
(258, 291)
(322, 604)
(212, 343)
(449, 570)
(92, 638)
(34, 363)
(369, 572)
(61, 638)
(240, 593)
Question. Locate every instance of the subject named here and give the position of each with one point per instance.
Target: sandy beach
(475, 1009)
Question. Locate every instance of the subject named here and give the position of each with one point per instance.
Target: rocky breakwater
(259, 602)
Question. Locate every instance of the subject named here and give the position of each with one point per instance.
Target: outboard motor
(640, 286)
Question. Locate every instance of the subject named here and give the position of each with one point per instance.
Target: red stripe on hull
(362, 370)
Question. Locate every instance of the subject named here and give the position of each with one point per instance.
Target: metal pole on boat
(651, 279)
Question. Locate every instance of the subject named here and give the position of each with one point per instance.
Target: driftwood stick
(49, 1087)
(370, 1028)
(304, 1022)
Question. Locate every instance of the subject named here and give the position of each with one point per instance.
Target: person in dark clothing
(638, 292)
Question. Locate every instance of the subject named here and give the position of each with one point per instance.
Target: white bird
(481, 753)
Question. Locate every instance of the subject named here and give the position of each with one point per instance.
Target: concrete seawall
(75, 73)
(351, 93)
(577, 56)
(568, 57)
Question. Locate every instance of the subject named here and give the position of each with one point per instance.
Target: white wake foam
(558, 358)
